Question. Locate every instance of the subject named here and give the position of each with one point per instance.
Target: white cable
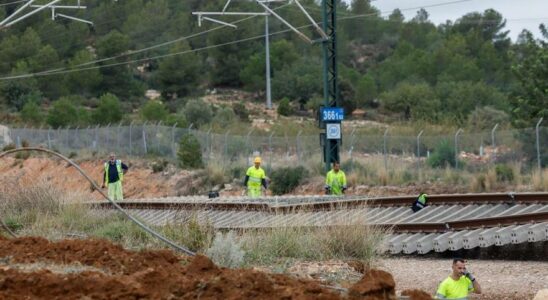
(14, 2)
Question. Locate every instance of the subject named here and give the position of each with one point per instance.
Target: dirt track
(117, 273)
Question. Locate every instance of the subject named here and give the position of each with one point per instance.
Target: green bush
(198, 112)
(31, 113)
(504, 173)
(443, 155)
(66, 112)
(284, 108)
(159, 166)
(285, 180)
(241, 111)
(190, 152)
(154, 111)
(109, 110)
(225, 116)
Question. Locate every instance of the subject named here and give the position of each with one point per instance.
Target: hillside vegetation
(466, 72)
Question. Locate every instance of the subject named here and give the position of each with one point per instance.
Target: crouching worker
(335, 180)
(420, 203)
(255, 179)
(113, 177)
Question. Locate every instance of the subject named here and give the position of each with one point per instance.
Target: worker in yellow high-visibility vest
(113, 176)
(459, 283)
(335, 180)
(255, 179)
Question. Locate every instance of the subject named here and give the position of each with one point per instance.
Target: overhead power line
(11, 3)
(65, 70)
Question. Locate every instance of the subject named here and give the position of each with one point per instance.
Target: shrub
(284, 108)
(31, 113)
(154, 111)
(9, 147)
(159, 166)
(226, 251)
(195, 235)
(504, 173)
(64, 113)
(443, 155)
(198, 112)
(225, 116)
(190, 153)
(108, 111)
(285, 180)
(241, 111)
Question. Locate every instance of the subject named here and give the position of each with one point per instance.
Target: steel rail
(399, 201)
(113, 203)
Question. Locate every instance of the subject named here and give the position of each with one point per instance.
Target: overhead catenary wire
(75, 69)
(92, 182)
(11, 3)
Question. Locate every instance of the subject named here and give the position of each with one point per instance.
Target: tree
(197, 112)
(366, 91)
(179, 75)
(154, 111)
(416, 101)
(65, 112)
(109, 110)
(86, 81)
(32, 114)
(190, 153)
(284, 108)
(530, 101)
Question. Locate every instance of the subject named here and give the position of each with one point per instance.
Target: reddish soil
(416, 294)
(124, 274)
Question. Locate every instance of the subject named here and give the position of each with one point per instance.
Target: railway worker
(335, 180)
(255, 179)
(459, 283)
(420, 203)
(113, 177)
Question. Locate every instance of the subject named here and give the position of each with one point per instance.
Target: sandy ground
(499, 279)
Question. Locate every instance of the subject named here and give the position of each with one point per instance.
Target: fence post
(88, 132)
(270, 150)
(209, 146)
(173, 147)
(539, 164)
(68, 137)
(457, 148)
(225, 147)
(49, 138)
(247, 146)
(118, 137)
(96, 140)
(77, 137)
(385, 152)
(158, 136)
(350, 152)
(298, 147)
(493, 141)
(144, 137)
(419, 153)
(130, 140)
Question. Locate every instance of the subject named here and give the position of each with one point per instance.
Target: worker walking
(420, 203)
(113, 177)
(459, 283)
(335, 180)
(255, 179)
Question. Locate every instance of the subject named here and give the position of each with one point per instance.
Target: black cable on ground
(133, 219)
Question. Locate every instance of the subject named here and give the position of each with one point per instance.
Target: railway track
(449, 222)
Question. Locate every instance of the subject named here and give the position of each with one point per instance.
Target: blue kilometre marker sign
(332, 114)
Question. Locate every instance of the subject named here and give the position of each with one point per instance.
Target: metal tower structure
(331, 114)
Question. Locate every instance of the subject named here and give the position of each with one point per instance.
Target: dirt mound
(160, 274)
(416, 295)
(374, 285)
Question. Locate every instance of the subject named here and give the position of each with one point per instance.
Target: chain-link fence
(529, 147)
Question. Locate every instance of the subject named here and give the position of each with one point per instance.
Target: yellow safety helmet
(257, 160)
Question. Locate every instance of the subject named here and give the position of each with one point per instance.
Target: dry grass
(539, 180)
